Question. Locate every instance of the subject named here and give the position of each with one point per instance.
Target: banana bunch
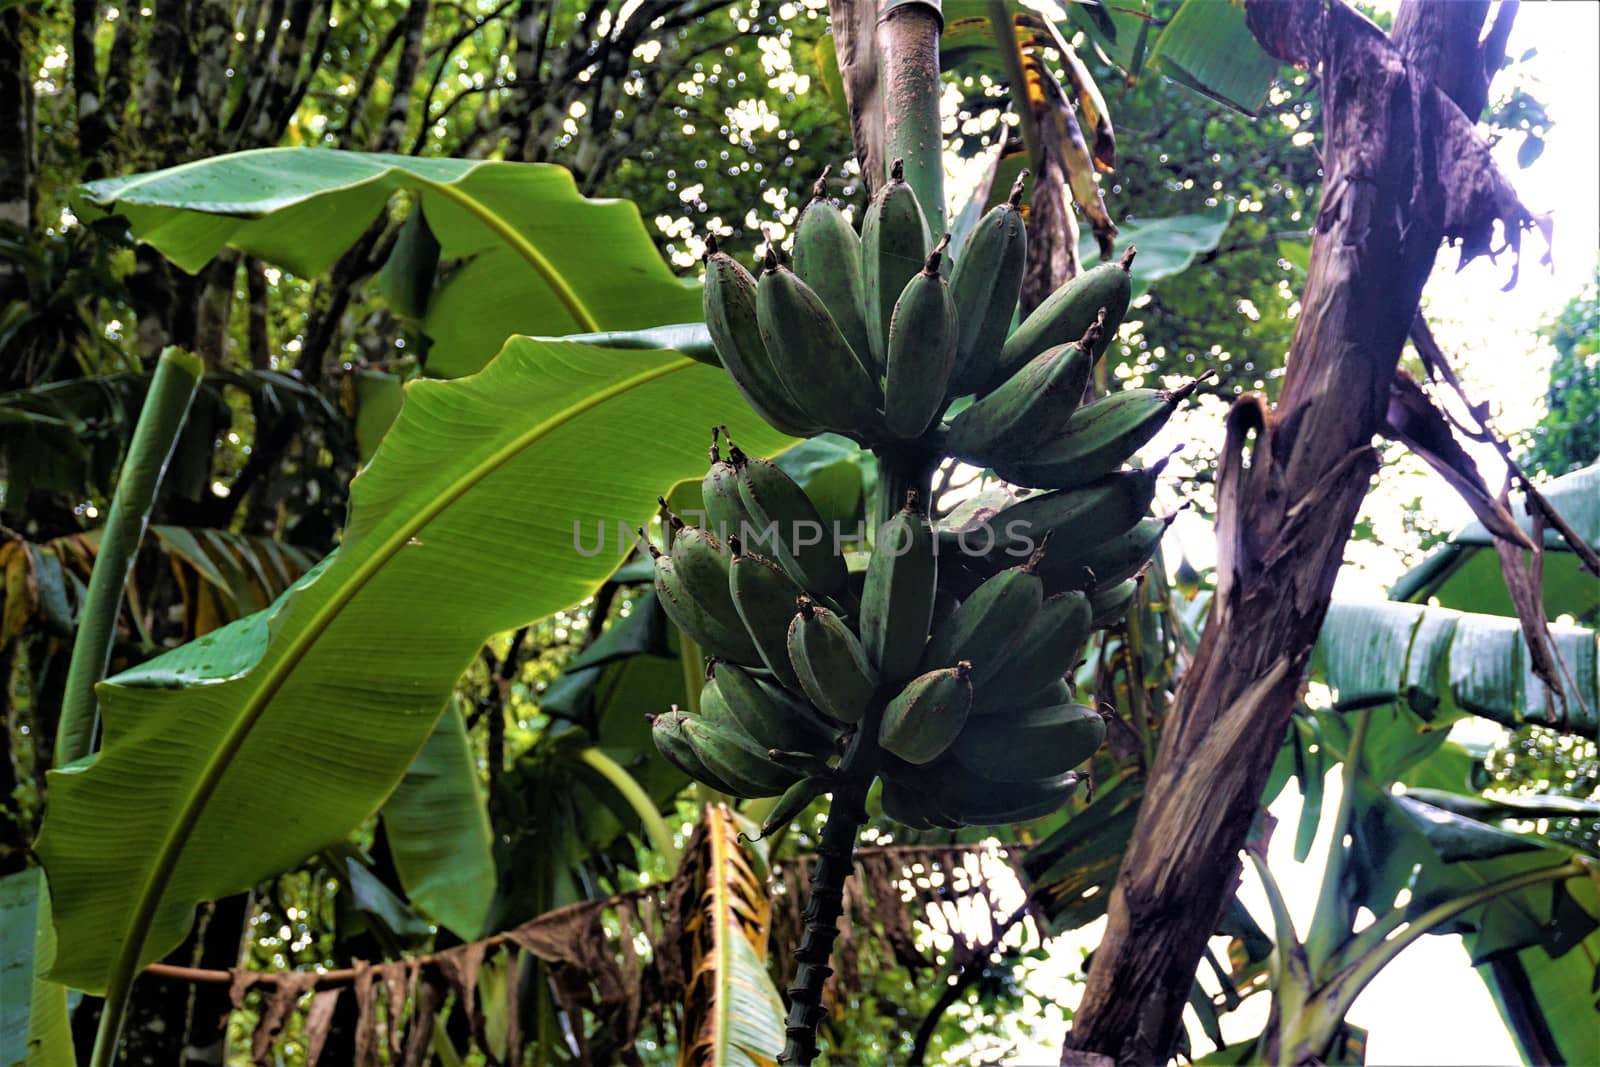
(945, 660)
(964, 704)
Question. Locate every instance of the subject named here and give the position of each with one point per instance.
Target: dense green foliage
(1567, 435)
(711, 118)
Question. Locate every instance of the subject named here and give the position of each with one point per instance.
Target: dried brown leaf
(287, 990)
(319, 1018)
(366, 1016)
(1414, 421)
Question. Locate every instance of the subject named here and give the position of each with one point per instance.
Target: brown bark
(92, 128)
(1404, 170)
(855, 42)
(17, 162)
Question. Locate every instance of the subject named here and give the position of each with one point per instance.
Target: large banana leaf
(537, 257)
(1464, 572)
(732, 1016)
(1373, 654)
(439, 833)
(237, 755)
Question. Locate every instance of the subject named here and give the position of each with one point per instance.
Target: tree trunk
(16, 137)
(1404, 170)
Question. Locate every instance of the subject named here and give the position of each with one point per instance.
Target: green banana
(830, 662)
(734, 758)
(771, 716)
(719, 492)
(945, 604)
(827, 257)
(894, 246)
(1030, 745)
(1066, 313)
(667, 732)
(1045, 649)
(986, 283)
(898, 597)
(928, 714)
(823, 374)
(765, 597)
(733, 322)
(694, 619)
(1030, 407)
(787, 524)
(702, 561)
(795, 800)
(1111, 604)
(905, 804)
(988, 622)
(1001, 698)
(922, 346)
(1087, 515)
(1095, 441)
(981, 801)
(1113, 561)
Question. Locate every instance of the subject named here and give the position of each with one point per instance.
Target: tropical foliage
(376, 678)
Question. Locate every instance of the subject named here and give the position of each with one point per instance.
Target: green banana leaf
(29, 1011)
(438, 831)
(289, 727)
(1208, 47)
(1167, 246)
(632, 670)
(1548, 1003)
(1438, 661)
(534, 256)
(1464, 572)
(1403, 843)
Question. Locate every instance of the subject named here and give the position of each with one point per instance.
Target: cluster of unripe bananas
(947, 652)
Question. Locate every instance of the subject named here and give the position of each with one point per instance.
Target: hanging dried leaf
(1419, 425)
(396, 977)
(287, 989)
(366, 1017)
(459, 967)
(1061, 141)
(1093, 105)
(419, 1037)
(319, 1019)
(1052, 231)
(732, 1014)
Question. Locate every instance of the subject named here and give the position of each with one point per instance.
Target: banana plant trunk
(1397, 165)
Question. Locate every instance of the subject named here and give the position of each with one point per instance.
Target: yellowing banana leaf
(236, 756)
(732, 1016)
(534, 257)
(439, 834)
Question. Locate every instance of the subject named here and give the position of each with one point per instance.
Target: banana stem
(913, 131)
(1331, 921)
(902, 469)
(835, 858)
(166, 407)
